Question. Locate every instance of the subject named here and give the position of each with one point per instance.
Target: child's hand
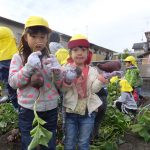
(108, 75)
(34, 60)
(70, 74)
(102, 79)
(52, 63)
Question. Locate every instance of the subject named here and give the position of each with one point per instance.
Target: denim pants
(26, 117)
(4, 73)
(78, 130)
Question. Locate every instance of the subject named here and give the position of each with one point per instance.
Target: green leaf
(33, 143)
(40, 136)
(145, 135)
(35, 122)
(47, 133)
(41, 121)
(33, 131)
(136, 128)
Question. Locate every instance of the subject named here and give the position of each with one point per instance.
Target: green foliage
(124, 55)
(142, 126)
(113, 91)
(39, 134)
(115, 123)
(113, 128)
(8, 118)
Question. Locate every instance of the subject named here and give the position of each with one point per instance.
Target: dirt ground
(6, 145)
(133, 142)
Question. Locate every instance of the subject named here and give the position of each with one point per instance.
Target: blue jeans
(26, 117)
(4, 73)
(78, 130)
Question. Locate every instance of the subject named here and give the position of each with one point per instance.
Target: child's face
(36, 41)
(128, 64)
(79, 55)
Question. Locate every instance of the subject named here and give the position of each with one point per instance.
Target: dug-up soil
(133, 142)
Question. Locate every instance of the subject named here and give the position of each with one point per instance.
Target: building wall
(145, 59)
(99, 53)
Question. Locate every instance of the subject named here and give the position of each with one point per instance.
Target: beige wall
(145, 59)
(97, 57)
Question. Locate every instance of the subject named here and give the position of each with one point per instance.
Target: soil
(133, 142)
(10, 141)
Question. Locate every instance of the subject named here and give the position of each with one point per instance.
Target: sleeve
(19, 75)
(96, 83)
(58, 78)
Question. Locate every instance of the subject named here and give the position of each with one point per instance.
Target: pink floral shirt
(19, 78)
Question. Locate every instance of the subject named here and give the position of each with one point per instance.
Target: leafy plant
(142, 126)
(112, 130)
(113, 91)
(8, 118)
(39, 134)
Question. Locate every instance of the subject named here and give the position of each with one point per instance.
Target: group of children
(130, 87)
(78, 82)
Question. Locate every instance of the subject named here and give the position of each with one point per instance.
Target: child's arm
(96, 79)
(19, 75)
(53, 66)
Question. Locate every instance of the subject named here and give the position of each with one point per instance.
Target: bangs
(37, 29)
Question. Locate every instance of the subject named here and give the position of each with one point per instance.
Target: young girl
(33, 57)
(126, 103)
(132, 74)
(80, 100)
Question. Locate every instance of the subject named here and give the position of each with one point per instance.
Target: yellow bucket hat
(8, 45)
(62, 55)
(125, 86)
(131, 59)
(36, 21)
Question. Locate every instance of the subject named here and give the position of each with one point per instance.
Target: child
(8, 47)
(54, 42)
(132, 74)
(34, 56)
(80, 100)
(126, 103)
(57, 48)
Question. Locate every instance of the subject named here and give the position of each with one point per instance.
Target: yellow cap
(36, 21)
(131, 59)
(8, 45)
(62, 55)
(125, 86)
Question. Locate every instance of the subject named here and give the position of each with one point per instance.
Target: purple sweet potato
(109, 66)
(37, 80)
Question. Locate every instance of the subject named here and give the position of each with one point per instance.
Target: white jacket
(93, 86)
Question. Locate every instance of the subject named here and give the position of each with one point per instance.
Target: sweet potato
(37, 80)
(110, 66)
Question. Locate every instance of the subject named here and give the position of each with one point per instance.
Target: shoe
(3, 99)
